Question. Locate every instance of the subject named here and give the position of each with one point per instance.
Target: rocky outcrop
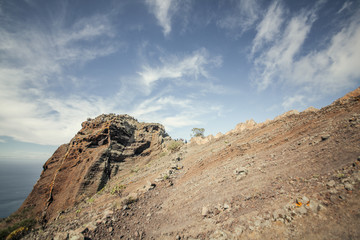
(95, 155)
(287, 114)
(204, 140)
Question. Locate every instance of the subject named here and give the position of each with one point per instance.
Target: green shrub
(197, 132)
(117, 189)
(25, 224)
(162, 154)
(174, 146)
(18, 233)
(101, 190)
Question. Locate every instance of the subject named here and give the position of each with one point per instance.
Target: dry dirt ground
(297, 177)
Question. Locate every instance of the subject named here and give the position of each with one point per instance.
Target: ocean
(16, 182)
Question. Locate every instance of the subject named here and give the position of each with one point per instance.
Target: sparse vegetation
(17, 230)
(174, 146)
(341, 175)
(18, 233)
(101, 190)
(163, 154)
(197, 132)
(166, 177)
(117, 189)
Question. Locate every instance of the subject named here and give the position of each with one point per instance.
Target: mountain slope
(297, 176)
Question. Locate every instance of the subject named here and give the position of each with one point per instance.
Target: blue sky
(184, 64)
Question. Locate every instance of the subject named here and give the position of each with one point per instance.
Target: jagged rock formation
(96, 154)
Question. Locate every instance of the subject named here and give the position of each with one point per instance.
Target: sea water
(17, 179)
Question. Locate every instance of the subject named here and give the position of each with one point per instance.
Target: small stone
(331, 183)
(257, 223)
(239, 230)
(279, 214)
(325, 137)
(149, 186)
(110, 229)
(177, 237)
(305, 200)
(356, 176)
(240, 177)
(75, 236)
(125, 207)
(219, 235)
(61, 236)
(89, 227)
(348, 186)
(266, 223)
(226, 206)
(301, 210)
(314, 206)
(204, 211)
(339, 187)
(334, 198)
(241, 171)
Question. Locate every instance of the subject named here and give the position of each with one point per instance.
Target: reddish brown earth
(295, 177)
(97, 153)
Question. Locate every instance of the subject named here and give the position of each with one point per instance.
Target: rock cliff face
(95, 155)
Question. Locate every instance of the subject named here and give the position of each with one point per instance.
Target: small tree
(197, 132)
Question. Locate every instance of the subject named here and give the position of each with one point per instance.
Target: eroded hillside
(295, 177)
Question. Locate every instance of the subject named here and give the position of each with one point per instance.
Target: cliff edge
(97, 153)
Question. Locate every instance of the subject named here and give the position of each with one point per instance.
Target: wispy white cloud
(345, 6)
(173, 112)
(290, 101)
(163, 11)
(180, 120)
(172, 67)
(269, 27)
(243, 16)
(311, 75)
(335, 67)
(162, 79)
(278, 58)
(33, 63)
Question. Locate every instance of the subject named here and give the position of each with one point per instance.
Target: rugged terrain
(294, 177)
